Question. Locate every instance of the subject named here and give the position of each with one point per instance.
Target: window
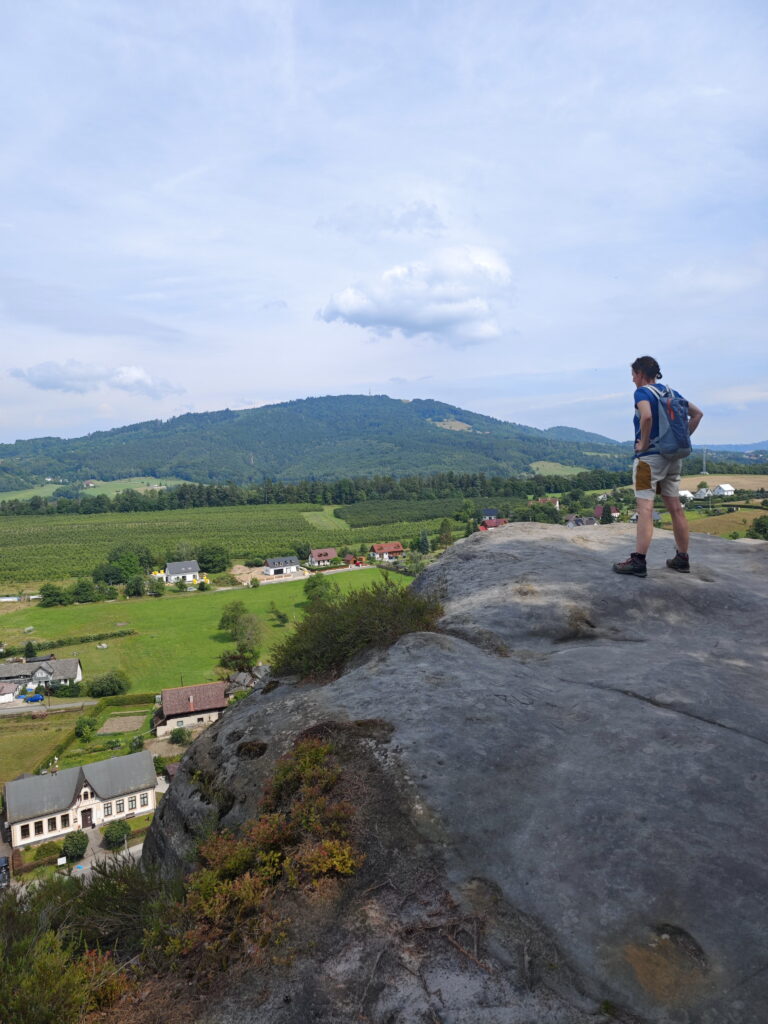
(144, 800)
(38, 828)
(180, 722)
(119, 806)
(201, 720)
(131, 803)
(107, 810)
(51, 824)
(25, 831)
(65, 821)
(86, 795)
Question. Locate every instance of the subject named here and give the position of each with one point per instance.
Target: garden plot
(122, 723)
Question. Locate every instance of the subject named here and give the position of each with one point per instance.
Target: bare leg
(679, 523)
(644, 525)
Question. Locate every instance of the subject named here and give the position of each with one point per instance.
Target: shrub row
(67, 641)
(126, 699)
(23, 869)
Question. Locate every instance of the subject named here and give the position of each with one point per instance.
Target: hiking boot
(634, 566)
(681, 562)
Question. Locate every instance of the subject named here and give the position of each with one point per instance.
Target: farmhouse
(388, 552)
(724, 490)
(281, 566)
(322, 556)
(190, 707)
(188, 572)
(46, 807)
(33, 673)
(491, 524)
(489, 513)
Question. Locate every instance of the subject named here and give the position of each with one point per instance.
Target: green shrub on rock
(336, 629)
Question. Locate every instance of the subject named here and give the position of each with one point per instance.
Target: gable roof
(60, 668)
(280, 563)
(317, 553)
(38, 795)
(186, 700)
(392, 547)
(179, 568)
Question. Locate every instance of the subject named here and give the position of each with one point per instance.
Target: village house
(33, 673)
(43, 807)
(190, 707)
(187, 572)
(549, 501)
(388, 552)
(615, 514)
(489, 513)
(281, 566)
(724, 490)
(8, 691)
(321, 556)
(685, 495)
(491, 524)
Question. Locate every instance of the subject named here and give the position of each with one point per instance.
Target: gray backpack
(674, 440)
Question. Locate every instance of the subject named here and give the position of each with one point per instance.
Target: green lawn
(545, 468)
(108, 487)
(26, 741)
(325, 520)
(177, 641)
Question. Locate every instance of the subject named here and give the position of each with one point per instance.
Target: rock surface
(579, 762)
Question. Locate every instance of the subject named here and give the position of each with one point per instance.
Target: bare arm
(646, 422)
(694, 417)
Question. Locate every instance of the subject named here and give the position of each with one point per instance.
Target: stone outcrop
(572, 772)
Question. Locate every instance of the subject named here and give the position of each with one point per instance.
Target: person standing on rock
(655, 473)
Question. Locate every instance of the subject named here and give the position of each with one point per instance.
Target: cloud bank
(448, 297)
(80, 378)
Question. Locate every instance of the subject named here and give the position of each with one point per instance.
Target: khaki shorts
(655, 474)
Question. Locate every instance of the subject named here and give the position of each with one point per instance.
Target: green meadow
(177, 641)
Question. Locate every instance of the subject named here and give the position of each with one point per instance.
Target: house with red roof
(322, 556)
(190, 707)
(388, 552)
(491, 524)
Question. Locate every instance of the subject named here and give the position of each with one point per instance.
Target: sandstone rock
(580, 762)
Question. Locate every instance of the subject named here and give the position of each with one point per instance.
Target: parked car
(5, 873)
(34, 698)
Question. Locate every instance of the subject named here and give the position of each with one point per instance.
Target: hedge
(33, 865)
(67, 641)
(126, 699)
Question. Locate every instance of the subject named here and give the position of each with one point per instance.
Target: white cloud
(80, 378)
(448, 297)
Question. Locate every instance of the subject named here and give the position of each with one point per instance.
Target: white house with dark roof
(190, 707)
(188, 572)
(31, 674)
(43, 807)
(283, 566)
(322, 556)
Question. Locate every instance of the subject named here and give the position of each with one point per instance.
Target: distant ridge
(312, 438)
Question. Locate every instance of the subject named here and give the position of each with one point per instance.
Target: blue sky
(494, 204)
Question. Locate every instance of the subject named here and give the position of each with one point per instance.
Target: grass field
(738, 480)
(556, 469)
(177, 641)
(26, 741)
(325, 520)
(720, 526)
(108, 487)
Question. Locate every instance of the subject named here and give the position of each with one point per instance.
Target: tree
(75, 844)
(445, 534)
(84, 729)
(302, 551)
(319, 588)
(213, 558)
(205, 585)
(605, 516)
(136, 744)
(135, 586)
(115, 834)
(248, 632)
(422, 544)
(51, 595)
(180, 736)
(181, 586)
(232, 611)
(84, 592)
(29, 649)
(759, 528)
(156, 587)
(110, 684)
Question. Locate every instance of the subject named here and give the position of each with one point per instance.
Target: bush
(136, 744)
(109, 685)
(226, 579)
(75, 844)
(203, 585)
(335, 630)
(212, 558)
(181, 736)
(159, 763)
(115, 833)
(46, 850)
(84, 728)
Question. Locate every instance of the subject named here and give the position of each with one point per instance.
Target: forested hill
(312, 438)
